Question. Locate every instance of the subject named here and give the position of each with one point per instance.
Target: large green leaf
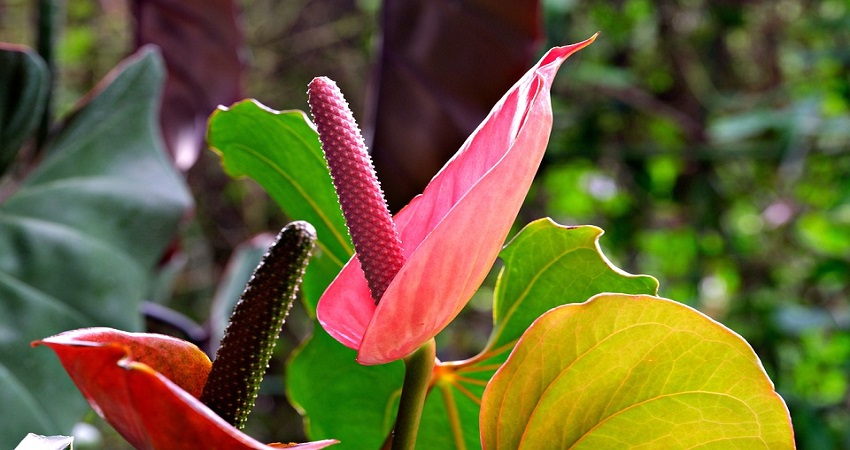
(79, 239)
(632, 372)
(280, 150)
(546, 265)
(342, 399)
(24, 81)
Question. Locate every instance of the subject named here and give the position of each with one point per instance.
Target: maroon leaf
(201, 42)
(442, 65)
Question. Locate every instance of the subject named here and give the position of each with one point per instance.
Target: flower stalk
(418, 368)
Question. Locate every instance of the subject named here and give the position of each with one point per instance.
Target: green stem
(419, 367)
(48, 14)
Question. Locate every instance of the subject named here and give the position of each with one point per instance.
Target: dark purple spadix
(369, 222)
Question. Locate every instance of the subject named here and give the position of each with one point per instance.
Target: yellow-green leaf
(546, 265)
(622, 371)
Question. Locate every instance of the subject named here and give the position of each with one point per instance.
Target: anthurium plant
(582, 355)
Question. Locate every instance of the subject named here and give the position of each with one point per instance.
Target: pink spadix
(372, 230)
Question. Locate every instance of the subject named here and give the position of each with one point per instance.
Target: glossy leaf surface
(280, 150)
(632, 372)
(442, 232)
(146, 387)
(105, 200)
(426, 94)
(537, 261)
(548, 265)
(202, 44)
(340, 398)
(24, 81)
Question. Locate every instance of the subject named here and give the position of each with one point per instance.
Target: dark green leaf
(79, 239)
(24, 81)
(340, 398)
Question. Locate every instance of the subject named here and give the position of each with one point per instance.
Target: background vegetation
(709, 139)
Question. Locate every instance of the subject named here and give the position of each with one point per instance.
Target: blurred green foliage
(709, 139)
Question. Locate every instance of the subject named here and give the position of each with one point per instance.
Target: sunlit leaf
(632, 372)
(545, 265)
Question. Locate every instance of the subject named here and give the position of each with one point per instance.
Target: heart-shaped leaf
(79, 239)
(632, 372)
(548, 265)
(24, 81)
(280, 150)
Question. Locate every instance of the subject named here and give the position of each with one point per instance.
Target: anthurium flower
(147, 386)
(451, 234)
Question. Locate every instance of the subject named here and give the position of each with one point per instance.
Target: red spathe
(146, 386)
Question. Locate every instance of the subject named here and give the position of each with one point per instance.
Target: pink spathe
(452, 233)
